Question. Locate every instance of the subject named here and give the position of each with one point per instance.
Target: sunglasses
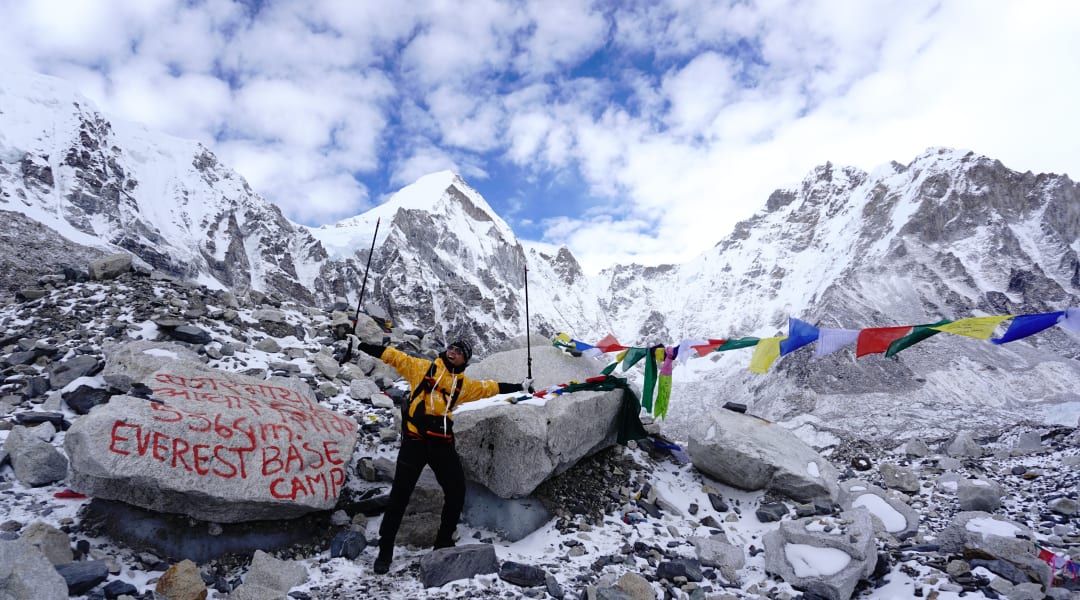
(454, 350)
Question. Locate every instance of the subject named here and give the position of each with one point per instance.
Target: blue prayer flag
(582, 346)
(800, 333)
(1025, 325)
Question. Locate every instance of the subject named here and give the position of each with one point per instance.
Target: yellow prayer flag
(766, 352)
(980, 328)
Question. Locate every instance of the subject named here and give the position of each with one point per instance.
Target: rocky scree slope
(593, 546)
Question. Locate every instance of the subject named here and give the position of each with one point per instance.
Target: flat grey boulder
(110, 267)
(978, 494)
(981, 533)
(891, 514)
(964, 445)
(139, 360)
(717, 552)
(512, 448)
(270, 577)
(751, 453)
(35, 461)
(826, 556)
(53, 543)
(215, 445)
(25, 574)
(444, 565)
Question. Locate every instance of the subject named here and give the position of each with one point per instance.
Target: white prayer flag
(831, 340)
(1071, 320)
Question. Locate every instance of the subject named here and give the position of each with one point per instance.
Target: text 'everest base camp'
(178, 422)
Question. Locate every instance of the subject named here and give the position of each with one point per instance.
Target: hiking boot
(444, 537)
(382, 562)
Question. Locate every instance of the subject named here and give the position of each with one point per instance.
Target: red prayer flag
(704, 349)
(876, 340)
(610, 344)
(1046, 555)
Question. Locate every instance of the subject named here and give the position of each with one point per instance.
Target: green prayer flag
(650, 380)
(745, 342)
(633, 355)
(629, 421)
(663, 394)
(918, 334)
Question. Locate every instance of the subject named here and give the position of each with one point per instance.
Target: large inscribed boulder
(215, 445)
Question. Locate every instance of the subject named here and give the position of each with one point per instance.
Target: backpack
(433, 427)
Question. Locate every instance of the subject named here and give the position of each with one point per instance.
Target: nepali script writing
(220, 429)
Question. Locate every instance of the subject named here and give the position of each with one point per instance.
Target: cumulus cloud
(674, 119)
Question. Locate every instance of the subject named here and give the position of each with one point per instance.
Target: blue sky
(628, 131)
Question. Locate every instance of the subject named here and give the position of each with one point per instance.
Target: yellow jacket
(435, 402)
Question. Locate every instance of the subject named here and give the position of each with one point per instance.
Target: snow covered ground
(580, 555)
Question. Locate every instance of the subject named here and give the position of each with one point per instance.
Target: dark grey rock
(682, 567)
(521, 574)
(771, 512)
(1003, 568)
(64, 372)
(115, 589)
(553, 588)
(191, 334)
(348, 544)
(85, 397)
(717, 502)
(460, 562)
(512, 519)
(83, 576)
(31, 418)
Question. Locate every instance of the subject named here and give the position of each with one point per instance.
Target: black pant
(444, 461)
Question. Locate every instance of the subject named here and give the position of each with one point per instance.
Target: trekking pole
(363, 286)
(528, 343)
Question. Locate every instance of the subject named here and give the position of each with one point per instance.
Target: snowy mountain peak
(943, 158)
(109, 184)
(443, 193)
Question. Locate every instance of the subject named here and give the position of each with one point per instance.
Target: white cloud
(306, 188)
(697, 92)
(702, 110)
(461, 41)
(419, 163)
(606, 239)
(564, 32)
(184, 39)
(91, 30)
(527, 133)
(466, 120)
(190, 105)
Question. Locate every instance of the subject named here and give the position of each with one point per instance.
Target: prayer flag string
(660, 359)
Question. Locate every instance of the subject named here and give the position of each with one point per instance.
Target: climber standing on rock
(437, 387)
